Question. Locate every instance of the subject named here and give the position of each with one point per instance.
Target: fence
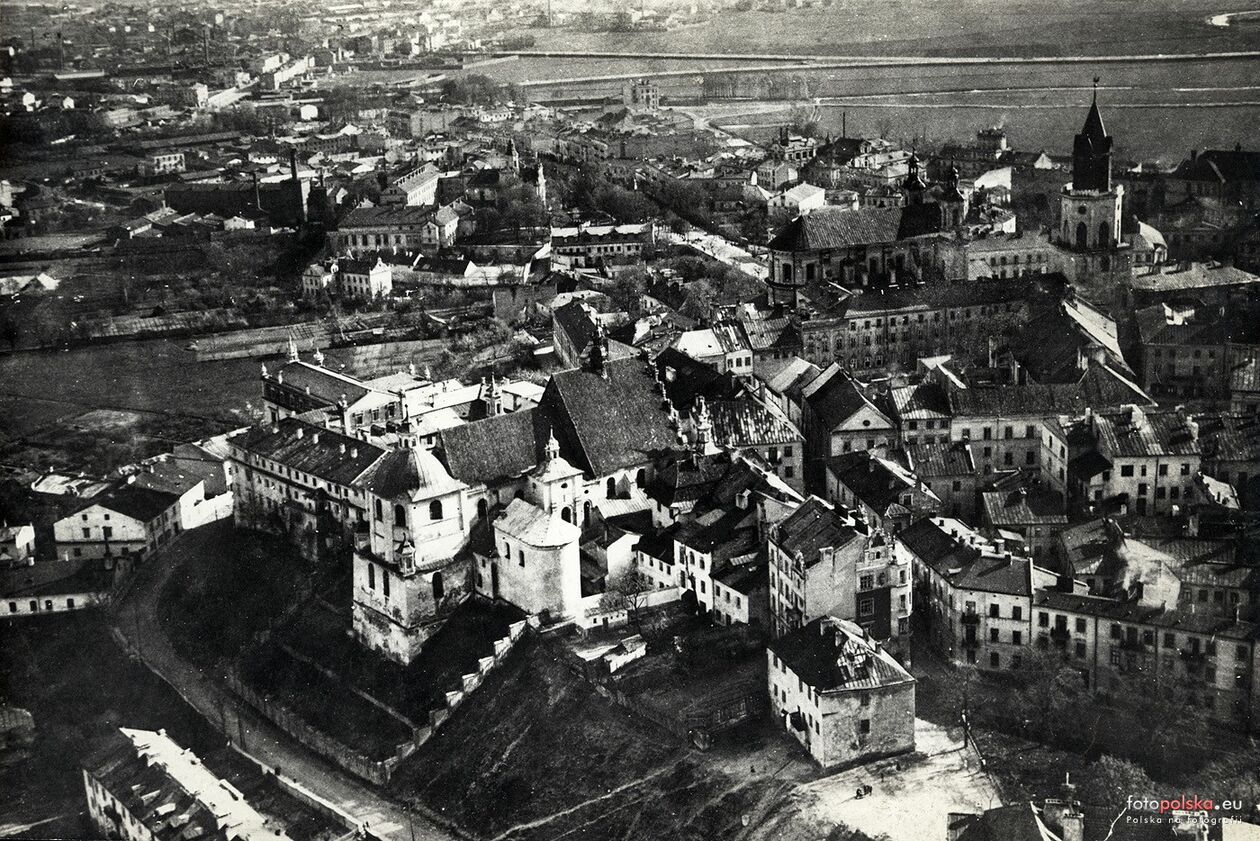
(377, 771)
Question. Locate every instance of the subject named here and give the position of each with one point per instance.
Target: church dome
(415, 473)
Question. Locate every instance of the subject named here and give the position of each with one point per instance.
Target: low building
(142, 786)
(59, 586)
(17, 545)
(840, 694)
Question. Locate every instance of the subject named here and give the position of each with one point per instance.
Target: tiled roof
(1198, 622)
(606, 423)
(172, 793)
(368, 217)
(328, 386)
(842, 229)
(499, 447)
(534, 526)
(311, 449)
(576, 323)
(953, 459)
(746, 422)
(1137, 433)
(1177, 278)
(814, 526)
(829, 654)
(1022, 507)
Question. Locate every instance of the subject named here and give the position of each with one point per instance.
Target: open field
(923, 27)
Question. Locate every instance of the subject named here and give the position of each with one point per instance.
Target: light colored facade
(408, 569)
(977, 597)
(17, 544)
(126, 521)
(840, 694)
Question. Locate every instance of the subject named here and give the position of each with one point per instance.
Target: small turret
(293, 349)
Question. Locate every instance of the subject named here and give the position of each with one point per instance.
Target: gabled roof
(831, 654)
(842, 229)
(814, 526)
(499, 447)
(606, 423)
(837, 398)
(139, 503)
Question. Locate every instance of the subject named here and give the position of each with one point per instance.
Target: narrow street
(137, 621)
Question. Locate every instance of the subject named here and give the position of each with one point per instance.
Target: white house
(127, 520)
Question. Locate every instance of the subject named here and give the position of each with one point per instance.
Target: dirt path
(137, 621)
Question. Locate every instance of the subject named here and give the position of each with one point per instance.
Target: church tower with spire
(1091, 206)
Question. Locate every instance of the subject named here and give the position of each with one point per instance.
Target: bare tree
(629, 592)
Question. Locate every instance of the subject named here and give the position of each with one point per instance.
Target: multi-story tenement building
(858, 248)
(839, 418)
(976, 596)
(398, 227)
(1209, 661)
(868, 331)
(825, 562)
(415, 187)
(1192, 351)
(1001, 258)
(593, 245)
(142, 786)
(840, 694)
(881, 490)
(299, 479)
(1149, 460)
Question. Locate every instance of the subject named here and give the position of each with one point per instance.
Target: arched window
(435, 509)
(400, 516)
(481, 508)
(586, 513)
(1104, 235)
(566, 514)
(612, 488)
(1082, 236)
(438, 589)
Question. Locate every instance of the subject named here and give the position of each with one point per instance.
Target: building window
(995, 660)
(994, 611)
(371, 576)
(864, 726)
(435, 509)
(866, 607)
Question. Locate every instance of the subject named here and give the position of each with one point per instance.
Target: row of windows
(33, 605)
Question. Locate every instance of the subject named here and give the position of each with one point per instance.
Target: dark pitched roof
(841, 229)
(576, 323)
(311, 449)
(869, 479)
(836, 400)
(746, 422)
(814, 526)
(498, 447)
(827, 657)
(686, 378)
(139, 503)
(605, 423)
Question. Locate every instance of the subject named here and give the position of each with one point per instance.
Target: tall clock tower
(1090, 207)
